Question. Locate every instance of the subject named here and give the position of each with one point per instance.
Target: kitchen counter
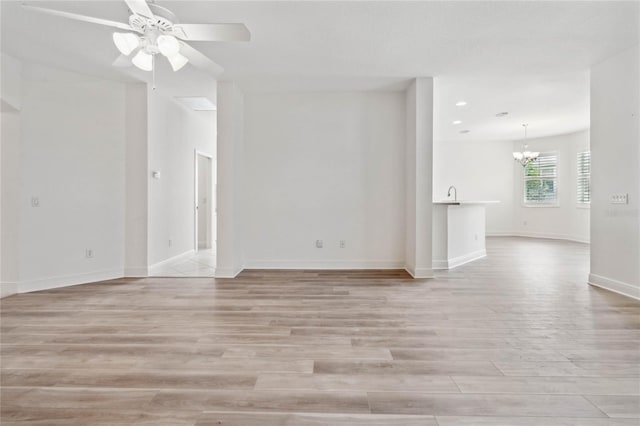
(458, 232)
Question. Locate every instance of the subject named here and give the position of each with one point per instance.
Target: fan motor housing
(162, 20)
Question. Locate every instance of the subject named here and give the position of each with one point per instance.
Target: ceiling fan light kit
(143, 60)
(168, 45)
(126, 42)
(154, 29)
(150, 45)
(177, 61)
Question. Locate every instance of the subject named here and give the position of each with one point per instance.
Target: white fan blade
(139, 7)
(199, 60)
(77, 17)
(122, 61)
(212, 32)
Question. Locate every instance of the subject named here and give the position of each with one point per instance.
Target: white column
(419, 178)
(136, 182)
(230, 243)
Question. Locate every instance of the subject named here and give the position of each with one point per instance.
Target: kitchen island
(458, 232)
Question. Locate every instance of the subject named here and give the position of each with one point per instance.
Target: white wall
(325, 166)
(72, 159)
(204, 200)
(230, 225)
(567, 220)
(10, 214)
(175, 132)
(73, 142)
(10, 94)
(479, 171)
(615, 151)
(11, 81)
(137, 182)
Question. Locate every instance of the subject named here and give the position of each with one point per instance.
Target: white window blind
(541, 180)
(584, 177)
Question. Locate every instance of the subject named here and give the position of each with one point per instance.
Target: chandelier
(525, 157)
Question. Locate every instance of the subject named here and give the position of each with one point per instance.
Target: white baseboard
(177, 257)
(324, 264)
(418, 273)
(500, 234)
(228, 272)
(539, 235)
(615, 286)
(7, 288)
(68, 280)
(460, 260)
(136, 272)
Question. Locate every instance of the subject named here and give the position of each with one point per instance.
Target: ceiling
(530, 59)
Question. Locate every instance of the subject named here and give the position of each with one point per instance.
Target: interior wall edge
(8, 288)
(625, 289)
(539, 235)
(419, 273)
(68, 280)
(136, 272)
(229, 272)
(325, 264)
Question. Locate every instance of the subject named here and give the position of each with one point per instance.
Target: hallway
(200, 264)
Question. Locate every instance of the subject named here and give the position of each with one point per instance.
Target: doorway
(204, 203)
(201, 261)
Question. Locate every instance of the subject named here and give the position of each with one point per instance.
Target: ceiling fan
(153, 30)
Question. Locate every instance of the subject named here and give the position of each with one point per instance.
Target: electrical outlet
(343, 243)
(619, 198)
(88, 253)
(319, 244)
(35, 202)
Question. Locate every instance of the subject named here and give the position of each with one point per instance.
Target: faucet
(455, 193)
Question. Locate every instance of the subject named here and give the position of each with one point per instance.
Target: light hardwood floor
(516, 339)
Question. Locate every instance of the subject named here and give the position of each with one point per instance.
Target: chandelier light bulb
(126, 42)
(177, 61)
(168, 45)
(143, 60)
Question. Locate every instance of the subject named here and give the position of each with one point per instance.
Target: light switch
(620, 199)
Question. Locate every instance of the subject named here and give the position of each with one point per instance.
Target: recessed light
(502, 114)
(461, 103)
(465, 131)
(457, 122)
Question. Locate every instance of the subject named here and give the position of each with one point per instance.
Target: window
(584, 177)
(541, 180)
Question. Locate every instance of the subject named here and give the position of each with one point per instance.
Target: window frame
(579, 174)
(556, 178)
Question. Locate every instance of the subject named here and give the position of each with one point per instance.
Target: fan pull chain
(153, 72)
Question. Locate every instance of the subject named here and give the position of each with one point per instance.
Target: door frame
(197, 153)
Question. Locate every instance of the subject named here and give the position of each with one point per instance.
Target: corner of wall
(615, 286)
(8, 288)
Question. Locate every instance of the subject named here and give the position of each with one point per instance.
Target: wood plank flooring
(516, 339)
